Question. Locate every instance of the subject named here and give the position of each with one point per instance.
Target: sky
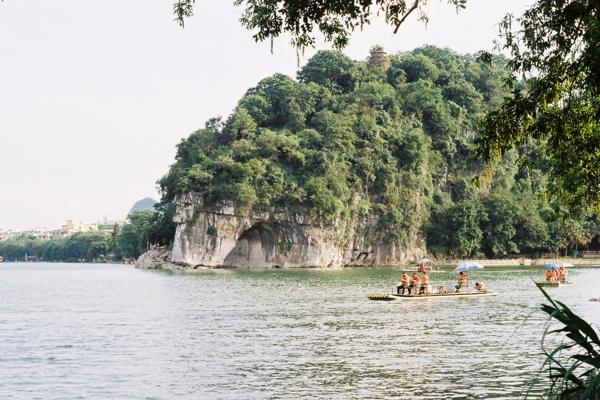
(94, 95)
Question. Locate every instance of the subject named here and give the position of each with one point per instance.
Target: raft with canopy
(439, 291)
(555, 283)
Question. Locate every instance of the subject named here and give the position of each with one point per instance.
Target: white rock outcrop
(221, 236)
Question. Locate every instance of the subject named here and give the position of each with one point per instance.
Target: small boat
(392, 296)
(554, 284)
(557, 278)
(439, 291)
(483, 293)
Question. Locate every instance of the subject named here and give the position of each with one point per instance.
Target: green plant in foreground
(576, 374)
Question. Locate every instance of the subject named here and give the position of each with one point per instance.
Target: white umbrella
(467, 266)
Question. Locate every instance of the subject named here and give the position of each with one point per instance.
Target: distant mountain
(144, 204)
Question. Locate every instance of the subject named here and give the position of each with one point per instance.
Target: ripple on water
(111, 332)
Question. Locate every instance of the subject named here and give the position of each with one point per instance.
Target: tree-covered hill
(146, 203)
(389, 139)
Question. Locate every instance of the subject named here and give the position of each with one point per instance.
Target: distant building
(35, 233)
(38, 233)
(72, 227)
(7, 234)
(110, 228)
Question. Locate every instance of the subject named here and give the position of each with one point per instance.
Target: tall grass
(573, 366)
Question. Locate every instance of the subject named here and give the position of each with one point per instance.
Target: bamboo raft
(436, 295)
(554, 284)
(392, 296)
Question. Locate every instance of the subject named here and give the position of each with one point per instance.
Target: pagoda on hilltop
(378, 58)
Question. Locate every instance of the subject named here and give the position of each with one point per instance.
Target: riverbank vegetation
(390, 139)
(143, 229)
(84, 246)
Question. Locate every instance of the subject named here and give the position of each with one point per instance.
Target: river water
(83, 331)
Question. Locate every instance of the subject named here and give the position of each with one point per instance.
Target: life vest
(424, 280)
(404, 280)
(462, 279)
(415, 280)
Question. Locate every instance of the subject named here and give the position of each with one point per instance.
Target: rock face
(153, 259)
(221, 236)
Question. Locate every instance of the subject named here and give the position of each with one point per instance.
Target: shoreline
(527, 261)
(443, 265)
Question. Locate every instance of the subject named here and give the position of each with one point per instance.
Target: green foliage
(531, 231)
(554, 46)
(465, 217)
(241, 124)
(335, 19)
(499, 226)
(392, 146)
(573, 366)
(145, 228)
(417, 67)
(331, 69)
(84, 246)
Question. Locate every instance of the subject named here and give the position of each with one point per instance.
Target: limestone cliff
(221, 236)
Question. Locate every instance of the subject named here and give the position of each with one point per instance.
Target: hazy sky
(94, 95)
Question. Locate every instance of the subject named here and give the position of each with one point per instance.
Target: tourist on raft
(414, 283)
(563, 274)
(462, 281)
(424, 283)
(480, 287)
(404, 282)
(423, 267)
(549, 276)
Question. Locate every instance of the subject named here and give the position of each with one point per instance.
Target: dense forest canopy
(554, 45)
(389, 138)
